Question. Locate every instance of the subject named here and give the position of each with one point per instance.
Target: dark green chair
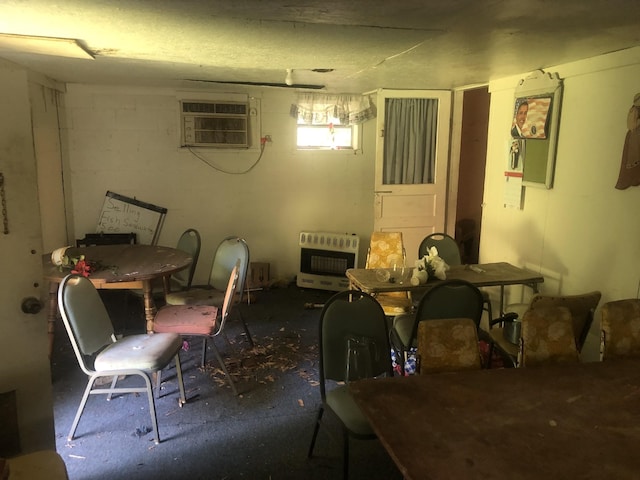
(354, 344)
(449, 251)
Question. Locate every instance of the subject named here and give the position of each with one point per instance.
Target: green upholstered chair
(228, 252)
(449, 251)
(190, 243)
(101, 355)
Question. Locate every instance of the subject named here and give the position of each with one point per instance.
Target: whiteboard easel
(122, 214)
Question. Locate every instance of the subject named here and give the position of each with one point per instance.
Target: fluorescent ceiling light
(59, 47)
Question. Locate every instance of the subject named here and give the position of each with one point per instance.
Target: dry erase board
(122, 214)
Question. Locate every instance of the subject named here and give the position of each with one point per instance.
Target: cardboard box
(258, 276)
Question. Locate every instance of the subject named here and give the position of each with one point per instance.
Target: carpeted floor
(263, 433)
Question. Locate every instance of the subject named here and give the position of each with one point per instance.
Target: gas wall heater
(324, 259)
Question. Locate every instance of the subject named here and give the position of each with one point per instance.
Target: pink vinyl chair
(206, 321)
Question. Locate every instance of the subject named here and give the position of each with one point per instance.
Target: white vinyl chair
(91, 333)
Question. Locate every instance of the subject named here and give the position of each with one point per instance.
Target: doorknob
(31, 305)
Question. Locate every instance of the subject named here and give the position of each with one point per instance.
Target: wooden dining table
(564, 421)
(117, 267)
(499, 274)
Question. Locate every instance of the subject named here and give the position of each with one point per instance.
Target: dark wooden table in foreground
(120, 267)
(556, 422)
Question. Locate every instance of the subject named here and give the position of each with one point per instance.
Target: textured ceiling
(369, 44)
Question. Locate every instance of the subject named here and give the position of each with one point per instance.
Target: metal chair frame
(91, 333)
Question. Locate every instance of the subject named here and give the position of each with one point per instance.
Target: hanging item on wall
(3, 200)
(536, 118)
(513, 173)
(630, 167)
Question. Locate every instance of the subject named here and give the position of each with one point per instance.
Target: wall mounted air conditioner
(214, 124)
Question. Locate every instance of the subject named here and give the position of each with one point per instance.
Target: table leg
(52, 314)
(149, 305)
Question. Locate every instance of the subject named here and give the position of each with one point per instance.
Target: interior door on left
(24, 361)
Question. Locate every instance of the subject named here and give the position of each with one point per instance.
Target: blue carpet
(263, 433)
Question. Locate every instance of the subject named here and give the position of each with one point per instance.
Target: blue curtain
(410, 140)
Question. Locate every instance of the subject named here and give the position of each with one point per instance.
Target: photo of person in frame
(522, 110)
(531, 117)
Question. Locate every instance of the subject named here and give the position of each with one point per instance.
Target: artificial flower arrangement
(78, 265)
(431, 265)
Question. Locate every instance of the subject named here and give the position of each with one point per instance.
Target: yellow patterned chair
(620, 329)
(547, 337)
(581, 307)
(386, 250)
(447, 345)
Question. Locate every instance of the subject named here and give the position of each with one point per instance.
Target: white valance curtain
(411, 129)
(322, 109)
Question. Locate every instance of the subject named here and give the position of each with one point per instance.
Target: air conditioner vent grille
(215, 124)
(215, 108)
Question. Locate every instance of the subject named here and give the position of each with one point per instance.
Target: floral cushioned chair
(447, 345)
(386, 250)
(445, 300)
(620, 329)
(581, 307)
(547, 337)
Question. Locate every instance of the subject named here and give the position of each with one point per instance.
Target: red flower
(82, 268)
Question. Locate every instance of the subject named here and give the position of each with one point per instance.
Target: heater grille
(324, 259)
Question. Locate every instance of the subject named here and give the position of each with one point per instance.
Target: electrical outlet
(267, 138)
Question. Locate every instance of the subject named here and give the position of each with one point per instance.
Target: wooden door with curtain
(412, 156)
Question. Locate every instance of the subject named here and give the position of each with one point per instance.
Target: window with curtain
(330, 121)
(410, 140)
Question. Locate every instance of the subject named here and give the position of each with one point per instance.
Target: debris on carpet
(271, 357)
